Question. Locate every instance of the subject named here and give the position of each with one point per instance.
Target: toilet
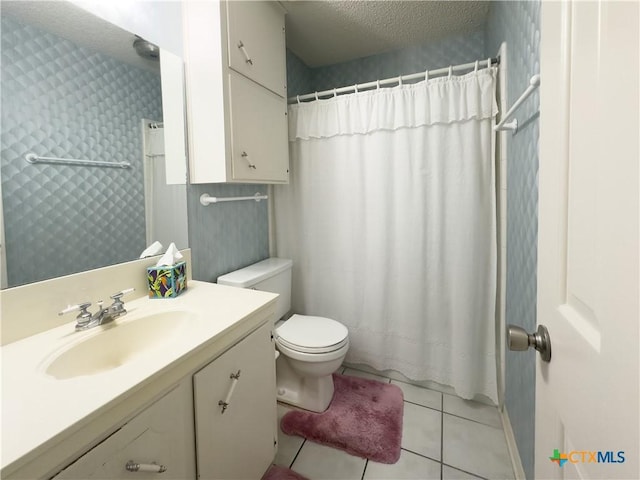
(311, 348)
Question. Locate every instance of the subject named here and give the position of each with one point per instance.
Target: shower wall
(452, 50)
(518, 24)
(60, 99)
(449, 51)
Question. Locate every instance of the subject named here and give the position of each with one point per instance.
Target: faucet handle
(117, 307)
(117, 296)
(84, 317)
(82, 307)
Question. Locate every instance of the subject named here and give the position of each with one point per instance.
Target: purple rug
(363, 419)
(277, 472)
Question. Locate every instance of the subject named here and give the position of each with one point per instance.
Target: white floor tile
(476, 448)
(449, 473)
(320, 462)
(359, 373)
(419, 395)
(288, 445)
(421, 430)
(479, 412)
(410, 466)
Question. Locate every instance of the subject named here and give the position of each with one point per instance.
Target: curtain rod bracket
(511, 126)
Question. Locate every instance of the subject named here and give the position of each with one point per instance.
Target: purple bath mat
(363, 419)
(277, 472)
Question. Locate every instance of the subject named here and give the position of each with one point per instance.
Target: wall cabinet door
(259, 132)
(161, 434)
(235, 120)
(237, 441)
(257, 43)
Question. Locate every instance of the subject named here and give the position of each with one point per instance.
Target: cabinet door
(259, 149)
(257, 43)
(239, 441)
(161, 434)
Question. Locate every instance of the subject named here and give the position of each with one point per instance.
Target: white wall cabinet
(162, 434)
(237, 440)
(235, 71)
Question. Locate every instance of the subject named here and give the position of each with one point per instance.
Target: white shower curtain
(391, 224)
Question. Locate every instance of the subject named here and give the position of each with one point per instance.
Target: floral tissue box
(167, 282)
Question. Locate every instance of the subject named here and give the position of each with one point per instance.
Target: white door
(587, 399)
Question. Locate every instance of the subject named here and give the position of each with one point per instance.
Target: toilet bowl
(311, 348)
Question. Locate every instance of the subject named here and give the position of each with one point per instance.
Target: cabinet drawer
(162, 434)
(237, 442)
(259, 150)
(257, 42)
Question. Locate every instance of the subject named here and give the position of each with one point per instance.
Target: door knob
(520, 340)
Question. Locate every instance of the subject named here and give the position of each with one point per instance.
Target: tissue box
(167, 282)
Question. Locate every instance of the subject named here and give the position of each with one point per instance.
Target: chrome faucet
(86, 320)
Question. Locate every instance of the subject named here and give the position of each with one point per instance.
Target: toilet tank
(270, 275)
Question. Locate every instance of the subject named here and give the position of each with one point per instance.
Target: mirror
(73, 87)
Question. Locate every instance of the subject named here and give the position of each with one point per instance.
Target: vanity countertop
(45, 419)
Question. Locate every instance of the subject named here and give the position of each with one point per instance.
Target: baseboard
(516, 462)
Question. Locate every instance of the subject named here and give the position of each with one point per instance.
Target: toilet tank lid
(248, 276)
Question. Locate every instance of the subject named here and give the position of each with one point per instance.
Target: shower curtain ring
(488, 62)
(378, 84)
(298, 98)
(476, 67)
(355, 87)
(335, 93)
(316, 95)
(426, 75)
(400, 81)
(450, 71)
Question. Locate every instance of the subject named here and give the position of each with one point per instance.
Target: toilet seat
(312, 335)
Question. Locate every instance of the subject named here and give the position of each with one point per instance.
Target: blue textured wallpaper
(62, 100)
(226, 236)
(449, 51)
(299, 76)
(518, 23)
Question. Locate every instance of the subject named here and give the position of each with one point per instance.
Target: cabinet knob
(132, 466)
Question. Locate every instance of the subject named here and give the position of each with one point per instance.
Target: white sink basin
(116, 344)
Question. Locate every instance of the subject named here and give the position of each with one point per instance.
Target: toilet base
(309, 393)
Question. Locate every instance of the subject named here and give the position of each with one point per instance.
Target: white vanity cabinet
(162, 434)
(235, 410)
(235, 77)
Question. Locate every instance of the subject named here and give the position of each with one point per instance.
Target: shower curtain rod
(399, 79)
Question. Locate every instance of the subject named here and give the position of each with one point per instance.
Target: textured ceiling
(320, 32)
(323, 32)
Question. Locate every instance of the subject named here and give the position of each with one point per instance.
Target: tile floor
(444, 437)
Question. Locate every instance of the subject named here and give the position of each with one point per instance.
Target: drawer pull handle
(245, 53)
(132, 466)
(234, 381)
(245, 155)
